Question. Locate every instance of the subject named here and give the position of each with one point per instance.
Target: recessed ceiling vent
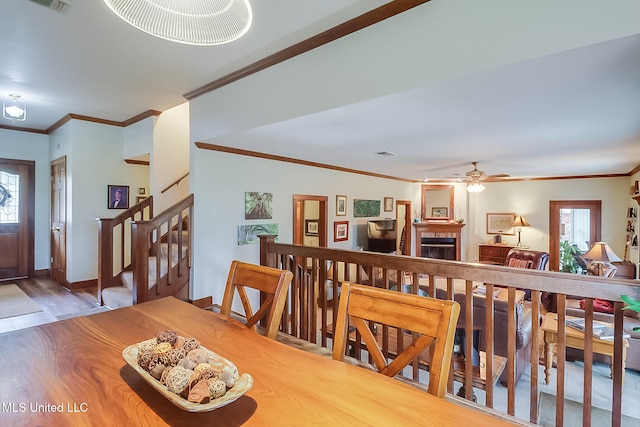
(385, 153)
(61, 6)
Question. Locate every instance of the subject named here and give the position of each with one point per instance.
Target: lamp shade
(601, 252)
(195, 22)
(520, 221)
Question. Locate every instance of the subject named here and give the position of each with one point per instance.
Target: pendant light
(194, 22)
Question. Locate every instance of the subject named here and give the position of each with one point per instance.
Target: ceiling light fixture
(194, 22)
(475, 187)
(14, 108)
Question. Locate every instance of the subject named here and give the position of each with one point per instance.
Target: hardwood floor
(54, 299)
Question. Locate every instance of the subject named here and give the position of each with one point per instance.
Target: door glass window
(9, 197)
(575, 226)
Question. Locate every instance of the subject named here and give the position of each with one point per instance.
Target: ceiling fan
(473, 177)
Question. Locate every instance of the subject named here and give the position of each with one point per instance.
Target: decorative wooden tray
(243, 383)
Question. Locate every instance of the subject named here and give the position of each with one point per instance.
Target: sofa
(500, 336)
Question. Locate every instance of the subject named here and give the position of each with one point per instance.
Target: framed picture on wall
(500, 223)
(388, 204)
(440, 212)
(118, 197)
(311, 227)
(341, 205)
(340, 231)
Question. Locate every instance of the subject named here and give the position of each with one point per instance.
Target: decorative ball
(177, 379)
(217, 388)
(175, 354)
(191, 344)
(198, 355)
(167, 336)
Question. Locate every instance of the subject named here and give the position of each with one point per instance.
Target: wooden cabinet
(496, 254)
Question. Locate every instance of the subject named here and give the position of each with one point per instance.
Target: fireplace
(438, 240)
(438, 247)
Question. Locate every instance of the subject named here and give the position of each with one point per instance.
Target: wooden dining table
(72, 372)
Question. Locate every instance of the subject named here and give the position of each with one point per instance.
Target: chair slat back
(431, 320)
(272, 281)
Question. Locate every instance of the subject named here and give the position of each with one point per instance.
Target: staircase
(144, 257)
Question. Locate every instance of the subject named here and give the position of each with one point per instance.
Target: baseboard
(42, 273)
(84, 284)
(205, 302)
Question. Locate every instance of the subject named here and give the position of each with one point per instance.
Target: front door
(16, 203)
(58, 220)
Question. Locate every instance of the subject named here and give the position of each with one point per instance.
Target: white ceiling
(569, 114)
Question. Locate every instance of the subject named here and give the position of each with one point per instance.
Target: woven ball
(175, 355)
(167, 336)
(217, 388)
(190, 344)
(177, 379)
(147, 360)
(198, 355)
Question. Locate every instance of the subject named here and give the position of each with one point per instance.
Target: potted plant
(568, 258)
(632, 304)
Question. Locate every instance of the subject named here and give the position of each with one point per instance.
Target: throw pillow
(520, 263)
(600, 305)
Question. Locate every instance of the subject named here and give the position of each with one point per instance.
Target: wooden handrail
(310, 312)
(107, 252)
(147, 236)
(176, 182)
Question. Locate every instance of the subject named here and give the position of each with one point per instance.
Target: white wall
(94, 160)
(170, 157)
(138, 138)
(219, 181)
(33, 146)
(438, 41)
(531, 200)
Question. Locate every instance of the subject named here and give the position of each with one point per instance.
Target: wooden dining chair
(272, 282)
(432, 319)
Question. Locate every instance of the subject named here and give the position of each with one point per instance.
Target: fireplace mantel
(438, 230)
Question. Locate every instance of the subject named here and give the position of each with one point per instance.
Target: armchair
(524, 258)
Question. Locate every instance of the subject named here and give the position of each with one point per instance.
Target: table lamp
(520, 222)
(598, 255)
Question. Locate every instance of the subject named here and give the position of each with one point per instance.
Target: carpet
(573, 414)
(14, 302)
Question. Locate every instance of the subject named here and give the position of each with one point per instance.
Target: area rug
(573, 414)
(14, 302)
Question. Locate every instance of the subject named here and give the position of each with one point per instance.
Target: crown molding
(358, 23)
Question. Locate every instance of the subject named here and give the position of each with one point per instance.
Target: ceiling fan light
(194, 22)
(13, 108)
(475, 187)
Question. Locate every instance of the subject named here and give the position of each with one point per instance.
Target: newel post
(266, 258)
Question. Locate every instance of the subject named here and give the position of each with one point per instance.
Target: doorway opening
(310, 215)
(403, 224)
(575, 222)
